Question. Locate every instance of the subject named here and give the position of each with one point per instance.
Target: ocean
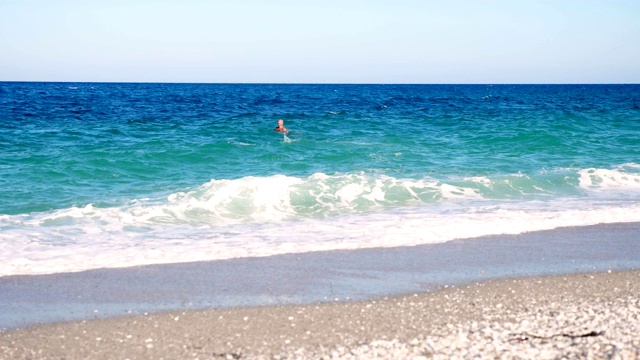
(108, 175)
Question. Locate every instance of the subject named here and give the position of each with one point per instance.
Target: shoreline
(588, 315)
(314, 277)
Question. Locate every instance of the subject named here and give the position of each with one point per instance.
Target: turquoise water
(112, 175)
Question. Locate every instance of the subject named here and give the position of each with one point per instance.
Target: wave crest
(319, 196)
(623, 178)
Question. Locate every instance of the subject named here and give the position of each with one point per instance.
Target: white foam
(262, 216)
(65, 248)
(456, 192)
(240, 143)
(629, 165)
(605, 180)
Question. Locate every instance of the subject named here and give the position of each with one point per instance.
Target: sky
(325, 41)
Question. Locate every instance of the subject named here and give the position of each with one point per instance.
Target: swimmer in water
(280, 128)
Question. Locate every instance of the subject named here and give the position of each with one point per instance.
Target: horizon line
(304, 83)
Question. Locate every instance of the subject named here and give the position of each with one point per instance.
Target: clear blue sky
(325, 41)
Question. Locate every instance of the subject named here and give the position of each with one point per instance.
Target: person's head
(280, 122)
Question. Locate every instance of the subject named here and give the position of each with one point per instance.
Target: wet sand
(314, 277)
(579, 316)
(320, 304)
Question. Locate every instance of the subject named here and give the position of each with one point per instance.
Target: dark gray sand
(595, 315)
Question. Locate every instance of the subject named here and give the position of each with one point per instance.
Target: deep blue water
(152, 173)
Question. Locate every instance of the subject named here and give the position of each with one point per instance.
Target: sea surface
(103, 175)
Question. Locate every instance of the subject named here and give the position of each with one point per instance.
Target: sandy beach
(565, 293)
(594, 315)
